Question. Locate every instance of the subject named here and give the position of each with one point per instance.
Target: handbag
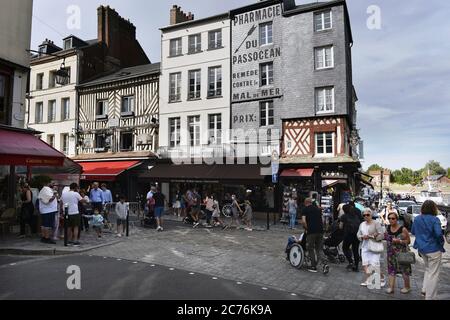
(406, 258)
(375, 246)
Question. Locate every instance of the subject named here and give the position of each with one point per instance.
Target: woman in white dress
(370, 230)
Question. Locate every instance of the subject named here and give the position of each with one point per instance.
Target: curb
(51, 252)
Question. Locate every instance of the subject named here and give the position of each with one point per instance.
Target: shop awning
(205, 172)
(106, 170)
(297, 173)
(22, 148)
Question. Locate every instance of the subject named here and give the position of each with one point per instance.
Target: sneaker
(44, 240)
(389, 290)
(383, 283)
(196, 225)
(249, 229)
(225, 227)
(364, 284)
(70, 243)
(405, 290)
(21, 236)
(76, 244)
(161, 228)
(423, 294)
(312, 269)
(50, 241)
(209, 226)
(119, 235)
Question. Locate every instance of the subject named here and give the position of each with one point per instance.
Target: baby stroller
(297, 253)
(332, 245)
(149, 220)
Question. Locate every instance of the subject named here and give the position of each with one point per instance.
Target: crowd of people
(362, 233)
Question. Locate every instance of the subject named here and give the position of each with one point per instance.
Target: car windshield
(416, 209)
(405, 203)
(434, 194)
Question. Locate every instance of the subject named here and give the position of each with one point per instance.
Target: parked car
(402, 206)
(413, 211)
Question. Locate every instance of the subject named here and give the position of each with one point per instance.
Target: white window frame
(176, 95)
(39, 116)
(264, 33)
(51, 116)
(215, 81)
(178, 50)
(51, 140)
(323, 51)
(196, 41)
(333, 145)
(217, 44)
(266, 66)
(197, 84)
(322, 19)
(265, 106)
(126, 100)
(216, 135)
(39, 81)
(323, 92)
(69, 46)
(174, 136)
(196, 125)
(65, 143)
(65, 115)
(52, 79)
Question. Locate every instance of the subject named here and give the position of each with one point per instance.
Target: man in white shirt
(48, 207)
(71, 199)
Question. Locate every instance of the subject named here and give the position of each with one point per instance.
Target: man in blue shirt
(430, 244)
(107, 198)
(96, 197)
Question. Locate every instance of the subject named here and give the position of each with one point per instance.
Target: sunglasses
(392, 218)
(367, 215)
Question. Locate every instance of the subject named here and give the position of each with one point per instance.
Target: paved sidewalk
(253, 257)
(32, 245)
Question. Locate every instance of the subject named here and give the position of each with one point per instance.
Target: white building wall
(59, 126)
(185, 63)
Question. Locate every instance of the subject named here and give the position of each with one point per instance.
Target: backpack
(352, 224)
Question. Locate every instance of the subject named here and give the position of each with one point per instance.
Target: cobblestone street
(254, 257)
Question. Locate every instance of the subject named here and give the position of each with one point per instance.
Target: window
(100, 141)
(39, 81)
(174, 132)
(102, 109)
(266, 113)
(215, 129)
(194, 130)
(3, 99)
(215, 82)
(175, 87)
(265, 34)
(126, 141)
(52, 79)
(39, 116)
(323, 20)
(215, 39)
(195, 43)
(194, 84)
(325, 100)
(51, 140)
(67, 43)
(324, 57)
(52, 111)
(176, 47)
(325, 143)
(266, 72)
(65, 143)
(127, 105)
(65, 109)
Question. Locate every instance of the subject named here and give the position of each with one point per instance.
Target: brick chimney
(119, 37)
(178, 16)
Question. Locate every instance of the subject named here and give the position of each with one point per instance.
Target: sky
(401, 65)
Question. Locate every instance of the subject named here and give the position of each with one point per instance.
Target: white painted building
(52, 107)
(15, 38)
(194, 84)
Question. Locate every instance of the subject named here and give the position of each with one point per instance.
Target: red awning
(297, 173)
(21, 148)
(105, 170)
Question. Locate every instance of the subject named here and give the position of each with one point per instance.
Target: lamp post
(381, 184)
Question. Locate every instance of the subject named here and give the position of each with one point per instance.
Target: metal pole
(381, 195)
(66, 219)
(268, 223)
(128, 222)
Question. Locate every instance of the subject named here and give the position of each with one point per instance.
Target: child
(121, 212)
(248, 215)
(216, 214)
(96, 221)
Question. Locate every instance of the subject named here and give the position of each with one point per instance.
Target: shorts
(159, 211)
(97, 228)
(48, 220)
(177, 205)
(120, 222)
(74, 220)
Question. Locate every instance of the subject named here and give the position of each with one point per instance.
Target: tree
(434, 167)
(403, 176)
(448, 172)
(374, 167)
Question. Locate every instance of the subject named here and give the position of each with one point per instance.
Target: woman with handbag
(398, 241)
(371, 234)
(430, 244)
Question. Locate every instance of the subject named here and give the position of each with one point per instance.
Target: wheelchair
(297, 254)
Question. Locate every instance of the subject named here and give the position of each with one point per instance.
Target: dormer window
(42, 49)
(68, 44)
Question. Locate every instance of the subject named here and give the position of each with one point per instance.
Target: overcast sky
(401, 71)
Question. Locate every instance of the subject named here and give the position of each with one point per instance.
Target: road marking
(152, 265)
(12, 264)
(264, 288)
(191, 273)
(134, 262)
(119, 259)
(214, 278)
(238, 282)
(293, 294)
(171, 269)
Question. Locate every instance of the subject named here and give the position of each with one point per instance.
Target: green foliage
(374, 167)
(434, 167)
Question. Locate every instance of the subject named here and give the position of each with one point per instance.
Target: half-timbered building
(118, 120)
